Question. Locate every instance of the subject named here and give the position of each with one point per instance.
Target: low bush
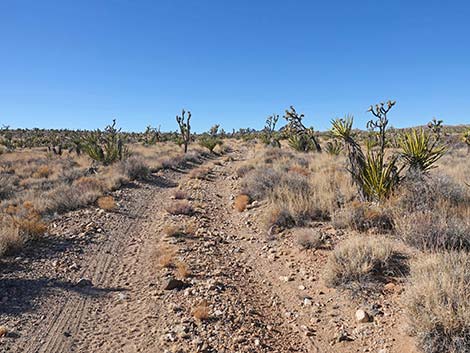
(438, 302)
(362, 216)
(180, 208)
(10, 237)
(241, 202)
(308, 238)
(135, 168)
(435, 230)
(362, 261)
(106, 203)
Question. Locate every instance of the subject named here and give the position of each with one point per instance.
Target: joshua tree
(300, 136)
(185, 128)
(269, 136)
(105, 146)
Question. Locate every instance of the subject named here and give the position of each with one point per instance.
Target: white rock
(362, 316)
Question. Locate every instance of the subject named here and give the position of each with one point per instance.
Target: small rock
(174, 283)
(257, 343)
(285, 278)
(362, 316)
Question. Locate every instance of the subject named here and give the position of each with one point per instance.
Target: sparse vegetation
(180, 208)
(106, 203)
(309, 238)
(362, 261)
(202, 311)
(438, 303)
(241, 202)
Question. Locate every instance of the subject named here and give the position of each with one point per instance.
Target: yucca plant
(105, 146)
(334, 148)
(378, 178)
(419, 150)
(374, 177)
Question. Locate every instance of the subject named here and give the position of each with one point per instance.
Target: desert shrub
(10, 237)
(309, 238)
(180, 208)
(135, 168)
(296, 195)
(43, 171)
(106, 203)
(7, 185)
(180, 195)
(71, 197)
(362, 216)
(420, 192)
(209, 142)
(244, 169)
(434, 230)
(259, 182)
(69, 175)
(241, 202)
(200, 173)
(361, 261)
(278, 218)
(438, 302)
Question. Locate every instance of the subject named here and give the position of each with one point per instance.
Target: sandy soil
(95, 284)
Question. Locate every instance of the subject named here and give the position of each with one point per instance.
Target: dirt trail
(262, 297)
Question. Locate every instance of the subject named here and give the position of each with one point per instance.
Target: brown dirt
(261, 293)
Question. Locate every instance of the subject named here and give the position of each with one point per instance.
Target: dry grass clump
(43, 171)
(8, 184)
(438, 302)
(277, 219)
(172, 230)
(10, 238)
(361, 261)
(308, 238)
(180, 208)
(300, 198)
(182, 270)
(202, 311)
(244, 169)
(435, 230)
(200, 173)
(260, 182)
(163, 256)
(301, 188)
(180, 195)
(106, 203)
(362, 216)
(241, 202)
(135, 168)
(66, 197)
(433, 213)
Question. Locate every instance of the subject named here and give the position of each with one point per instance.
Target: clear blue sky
(78, 64)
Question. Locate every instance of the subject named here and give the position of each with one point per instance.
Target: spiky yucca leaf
(342, 128)
(334, 148)
(418, 150)
(378, 178)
